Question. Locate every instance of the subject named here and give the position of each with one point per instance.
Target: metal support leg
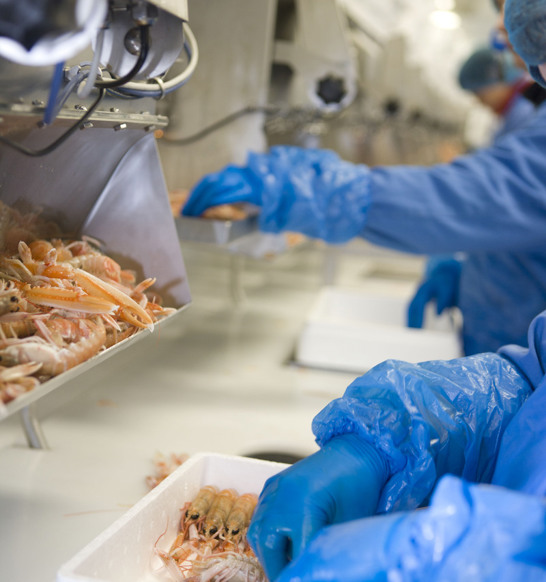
(237, 263)
(330, 265)
(33, 429)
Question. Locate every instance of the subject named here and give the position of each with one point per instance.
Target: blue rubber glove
(470, 533)
(340, 482)
(441, 284)
(309, 191)
(229, 186)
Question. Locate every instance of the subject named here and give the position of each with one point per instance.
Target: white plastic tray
(125, 551)
(353, 331)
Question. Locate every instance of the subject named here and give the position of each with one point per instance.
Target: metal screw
(120, 126)
(38, 103)
(80, 107)
(131, 42)
(114, 109)
(87, 125)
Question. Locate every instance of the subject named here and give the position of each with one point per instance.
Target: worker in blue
(429, 472)
(490, 288)
(490, 204)
(465, 440)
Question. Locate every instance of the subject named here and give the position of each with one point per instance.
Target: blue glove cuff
(425, 424)
(369, 464)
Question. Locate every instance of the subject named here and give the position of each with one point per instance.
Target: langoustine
(62, 302)
(164, 465)
(17, 380)
(55, 358)
(211, 544)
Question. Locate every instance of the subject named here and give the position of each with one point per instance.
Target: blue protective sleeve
(429, 419)
(521, 462)
(474, 532)
(491, 200)
(469, 533)
(531, 361)
(313, 192)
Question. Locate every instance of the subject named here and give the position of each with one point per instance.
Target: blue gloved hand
(441, 283)
(230, 185)
(470, 532)
(309, 191)
(340, 482)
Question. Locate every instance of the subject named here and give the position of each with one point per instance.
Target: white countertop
(217, 379)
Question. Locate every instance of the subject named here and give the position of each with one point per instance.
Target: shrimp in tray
(211, 544)
(16, 380)
(63, 301)
(54, 353)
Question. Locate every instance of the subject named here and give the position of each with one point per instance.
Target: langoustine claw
(99, 295)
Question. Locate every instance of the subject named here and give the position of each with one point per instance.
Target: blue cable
(49, 113)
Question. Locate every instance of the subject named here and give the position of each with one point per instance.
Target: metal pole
(237, 263)
(33, 429)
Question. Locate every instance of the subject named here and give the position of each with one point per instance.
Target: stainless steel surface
(23, 402)
(177, 7)
(107, 185)
(17, 118)
(133, 217)
(105, 181)
(166, 42)
(235, 43)
(219, 232)
(313, 41)
(66, 183)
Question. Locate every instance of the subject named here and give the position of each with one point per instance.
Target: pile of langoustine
(164, 465)
(62, 302)
(211, 544)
